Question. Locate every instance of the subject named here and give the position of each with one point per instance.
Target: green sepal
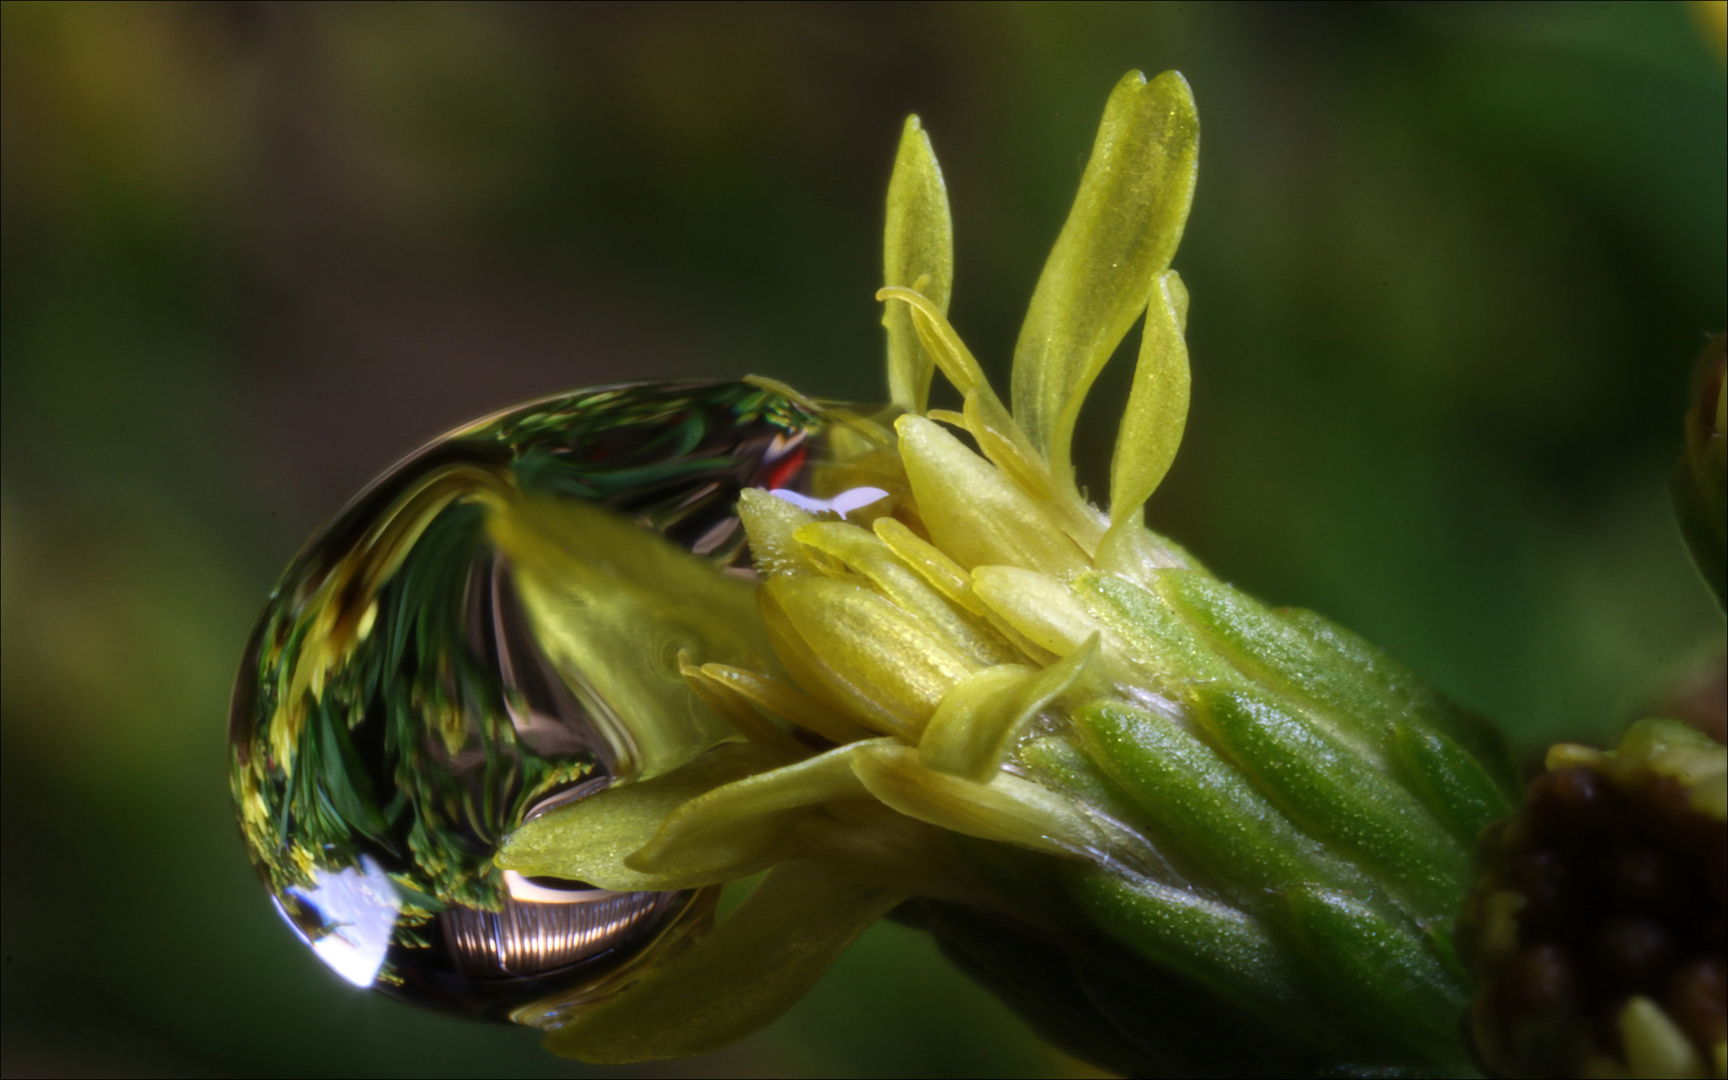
(1385, 978)
(1452, 784)
(1337, 796)
(751, 968)
(1228, 951)
(1193, 1033)
(1030, 972)
(1101, 1000)
(1198, 801)
(1288, 662)
(1417, 699)
(1156, 637)
(1357, 690)
(1057, 763)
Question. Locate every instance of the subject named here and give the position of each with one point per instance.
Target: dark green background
(1449, 267)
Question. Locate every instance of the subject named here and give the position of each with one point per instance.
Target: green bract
(1176, 828)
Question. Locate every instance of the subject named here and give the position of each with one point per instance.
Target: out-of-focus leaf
(1701, 480)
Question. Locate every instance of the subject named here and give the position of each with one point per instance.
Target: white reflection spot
(842, 504)
(358, 906)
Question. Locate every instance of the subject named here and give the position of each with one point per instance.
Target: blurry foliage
(1449, 263)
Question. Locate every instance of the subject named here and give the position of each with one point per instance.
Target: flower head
(1049, 725)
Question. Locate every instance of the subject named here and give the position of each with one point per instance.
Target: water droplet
(492, 629)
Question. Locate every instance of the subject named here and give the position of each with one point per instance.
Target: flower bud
(1147, 811)
(1596, 932)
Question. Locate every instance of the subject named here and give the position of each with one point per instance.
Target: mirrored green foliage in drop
(492, 629)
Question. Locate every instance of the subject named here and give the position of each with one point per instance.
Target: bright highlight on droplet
(844, 503)
(358, 906)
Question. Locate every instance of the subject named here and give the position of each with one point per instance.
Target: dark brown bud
(1596, 932)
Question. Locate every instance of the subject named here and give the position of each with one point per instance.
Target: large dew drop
(492, 629)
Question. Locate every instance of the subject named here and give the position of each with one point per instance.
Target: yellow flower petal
(918, 251)
(1121, 233)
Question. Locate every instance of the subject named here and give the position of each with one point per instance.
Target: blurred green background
(1450, 265)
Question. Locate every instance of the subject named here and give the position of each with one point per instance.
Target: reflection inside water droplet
(490, 631)
(348, 917)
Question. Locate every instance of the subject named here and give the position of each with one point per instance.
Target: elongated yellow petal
(753, 967)
(589, 840)
(1157, 406)
(747, 825)
(1121, 233)
(833, 689)
(1036, 605)
(931, 562)
(973, 512)
(940, 341)
(964, 732)
(918, 251)
(977, 725)
(1008, 808)
(739, 711)
(887, 660)
(866, 553)
(771, 522)
(1004, 444)
(785, 702)
(1009, 450)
